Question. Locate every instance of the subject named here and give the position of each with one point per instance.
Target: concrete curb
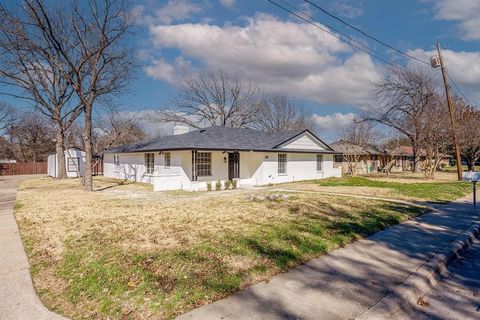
(423, 280)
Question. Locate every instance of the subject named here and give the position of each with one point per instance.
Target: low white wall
(256, 168)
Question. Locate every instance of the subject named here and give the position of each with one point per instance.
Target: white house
(74, 163)
(188, 160)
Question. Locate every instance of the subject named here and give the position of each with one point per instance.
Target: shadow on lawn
(346, 282)
(116, 184)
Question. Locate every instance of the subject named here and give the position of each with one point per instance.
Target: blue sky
(282, 54)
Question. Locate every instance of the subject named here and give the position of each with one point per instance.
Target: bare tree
(90, 39)
(436, 136)
(278, 113)
(354, 140)
(214, 98)
(30, 139)
(401, 101)
(8, 117)
(468, 132)
(115, 128)
(29, 62)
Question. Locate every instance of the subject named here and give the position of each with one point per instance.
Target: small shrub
(234, 184)
(218, 185)
(209, 186)
(227, 184)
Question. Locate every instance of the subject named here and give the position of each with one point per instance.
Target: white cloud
(466, 12)
(228, 3)
(330, 126)
(333, 121)
(162, 70)
(347, 8)
(463, 67)
(174, 10)
(283, 56)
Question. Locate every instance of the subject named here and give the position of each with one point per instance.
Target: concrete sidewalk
(18, 300)
(347, 282)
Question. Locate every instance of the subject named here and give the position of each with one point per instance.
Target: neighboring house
(373, 158)
(74, 163)
(189, 160)
(404, 159)
(362, 159)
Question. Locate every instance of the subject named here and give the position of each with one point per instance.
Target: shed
(74, 163)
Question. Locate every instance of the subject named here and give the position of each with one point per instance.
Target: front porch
(192, 170)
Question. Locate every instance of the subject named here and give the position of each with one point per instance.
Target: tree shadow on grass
(346, 282)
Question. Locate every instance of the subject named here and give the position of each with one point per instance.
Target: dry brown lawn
(125, 252)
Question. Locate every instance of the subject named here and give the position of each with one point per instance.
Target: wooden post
(452, 113)
(474, 194)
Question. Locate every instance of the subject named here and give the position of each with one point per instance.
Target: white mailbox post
(473, 177)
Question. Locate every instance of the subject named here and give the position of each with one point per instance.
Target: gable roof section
(310, 136)
(222, 138)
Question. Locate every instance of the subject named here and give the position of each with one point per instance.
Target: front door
(233, 165)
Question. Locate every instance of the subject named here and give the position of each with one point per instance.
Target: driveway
(18, 300)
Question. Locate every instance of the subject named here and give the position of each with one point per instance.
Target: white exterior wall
(132, 167)
(300, 166)
(256, 168)
(69, 153)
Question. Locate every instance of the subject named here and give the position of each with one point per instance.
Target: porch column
(194, 165)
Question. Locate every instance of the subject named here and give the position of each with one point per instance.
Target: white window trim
(321, 162)
(198, 163)
(146, 163)
(285, 164)
(165, 160)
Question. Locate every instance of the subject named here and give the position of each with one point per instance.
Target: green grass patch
(165, 283)
(17, 206)
(440, 192)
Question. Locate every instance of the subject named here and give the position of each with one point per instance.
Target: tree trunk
(88, 185)
(60, 150)
(470, 163)
(416, 159)
(416, 164)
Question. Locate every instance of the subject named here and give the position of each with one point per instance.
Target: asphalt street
(458, 294)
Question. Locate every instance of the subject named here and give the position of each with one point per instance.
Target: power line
(362, 47)
(358, 43)
(458, 89)
(365, 34)
(350, 42)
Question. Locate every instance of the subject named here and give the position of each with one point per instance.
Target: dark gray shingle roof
(217, 138)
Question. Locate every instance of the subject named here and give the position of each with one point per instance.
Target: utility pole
(440, 64)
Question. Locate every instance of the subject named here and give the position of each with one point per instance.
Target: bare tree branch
(278, 113)
(29, 63)
(401, 101)
(215, 99)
